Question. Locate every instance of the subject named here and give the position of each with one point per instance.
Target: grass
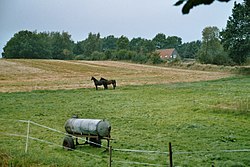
(202, 118)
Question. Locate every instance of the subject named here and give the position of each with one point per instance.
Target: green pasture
(208, 123)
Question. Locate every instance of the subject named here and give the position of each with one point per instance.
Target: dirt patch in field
(28, 75)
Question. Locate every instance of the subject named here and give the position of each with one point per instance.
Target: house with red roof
(168, 53)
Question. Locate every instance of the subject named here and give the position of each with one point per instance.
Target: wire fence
(115, 160)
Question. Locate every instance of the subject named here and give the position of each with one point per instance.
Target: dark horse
(108, 82)
(99, 83)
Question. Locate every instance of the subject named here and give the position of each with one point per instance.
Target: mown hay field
(205, 115)
(28, 75)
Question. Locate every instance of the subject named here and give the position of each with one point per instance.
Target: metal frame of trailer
(93, 140)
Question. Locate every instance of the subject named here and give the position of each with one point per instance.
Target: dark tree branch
(192, 3)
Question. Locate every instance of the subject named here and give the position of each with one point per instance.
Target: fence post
(27, 138)
(170, 155)
(110, 156)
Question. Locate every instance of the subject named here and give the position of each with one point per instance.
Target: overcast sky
(132, 18)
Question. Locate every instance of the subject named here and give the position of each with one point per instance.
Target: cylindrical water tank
(88, 127)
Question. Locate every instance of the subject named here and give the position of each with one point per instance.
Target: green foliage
(122, 43)
(33, 45)
(61, 45)
(136, 44)
(173, 42)
(56, 45)
(154, 58)
(91, 44)
(98, 56)
(148, 46)
(78, 48)
(108, 54)
(211, 51)
(141, 45)
(160, 41)
(140, 58)
(27, 44)
(80, 57)
(109, 43)
(236, 36)
(123, 54)
(201, 117)
(189, 49)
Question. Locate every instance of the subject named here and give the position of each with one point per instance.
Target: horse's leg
(96, 88)
(114, 84)
(105, 86)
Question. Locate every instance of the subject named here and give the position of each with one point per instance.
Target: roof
(166, 53)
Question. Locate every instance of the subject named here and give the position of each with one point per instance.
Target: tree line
(227, 47)
(56, 45)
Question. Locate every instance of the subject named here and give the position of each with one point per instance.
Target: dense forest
(230, 46)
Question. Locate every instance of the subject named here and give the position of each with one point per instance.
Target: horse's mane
(103, 79)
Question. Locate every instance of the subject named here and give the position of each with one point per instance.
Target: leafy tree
(27, 44)
(148, 46)
(136, 44)
(163, 42)
(109, 43)
(160, 41)
(79, 48)
(62, 45)
(19, 46)
(91, 44)
(211, 51)
(173, 42)
(122, 43)
(189, 49)
(109, 54)
(236, 35)
(141, 45)
(43, 47)
(192, 3)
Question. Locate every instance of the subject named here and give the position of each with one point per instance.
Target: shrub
(154, 58)
(80, 57)
(139, 58)
(98, 56)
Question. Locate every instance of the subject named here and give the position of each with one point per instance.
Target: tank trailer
(94, 130)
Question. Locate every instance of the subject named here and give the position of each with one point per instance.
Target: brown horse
(108, 82)
(99, 83)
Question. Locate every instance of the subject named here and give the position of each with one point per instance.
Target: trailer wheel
(95, 142)
(68, 143)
